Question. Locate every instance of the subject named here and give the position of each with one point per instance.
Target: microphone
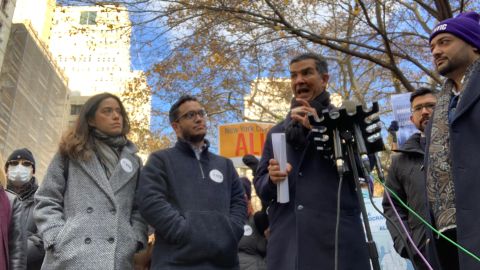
(326, 136)
(367, 127)
(351, 108)
(351, 123)
(320, 135)
(337, 145)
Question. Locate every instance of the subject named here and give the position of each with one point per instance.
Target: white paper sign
(401, 113)
(280, 154)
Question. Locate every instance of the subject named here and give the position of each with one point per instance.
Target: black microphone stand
(352, 128)
(348, 138)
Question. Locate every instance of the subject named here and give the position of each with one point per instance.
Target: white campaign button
(126, 165)
(247, 230)
(216, 176)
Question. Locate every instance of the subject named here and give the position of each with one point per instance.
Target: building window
(75, 109)
(88, 17)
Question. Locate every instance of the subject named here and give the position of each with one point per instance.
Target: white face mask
(19, 174)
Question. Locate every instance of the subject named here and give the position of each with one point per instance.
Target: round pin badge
(126, 165)
(247, 230)
(216, 176)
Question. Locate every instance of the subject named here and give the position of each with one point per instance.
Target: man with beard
(407, 179)
(453, 170)
(192, 198)
(302, 231)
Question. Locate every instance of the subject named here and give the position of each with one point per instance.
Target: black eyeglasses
(428, 106)
(25, 163)
(192, 114)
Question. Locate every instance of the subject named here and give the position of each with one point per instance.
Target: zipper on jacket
(201, 169)
(198, 153)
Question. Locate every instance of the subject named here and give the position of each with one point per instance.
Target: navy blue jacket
(464, 152)
(302, 232)
(197, 208)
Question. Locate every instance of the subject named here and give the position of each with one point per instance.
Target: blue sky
(146, 52)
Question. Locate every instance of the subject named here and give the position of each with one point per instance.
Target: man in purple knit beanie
(465, 26)
(453, 132)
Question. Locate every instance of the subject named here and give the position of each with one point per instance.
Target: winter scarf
(295, 132)
(440, 186)
(108, 150)
(25, 191)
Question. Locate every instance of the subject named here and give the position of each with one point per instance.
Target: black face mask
(296, 133)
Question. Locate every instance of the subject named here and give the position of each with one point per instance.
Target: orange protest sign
(237, 140)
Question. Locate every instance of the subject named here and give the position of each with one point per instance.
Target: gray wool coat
(89, 221)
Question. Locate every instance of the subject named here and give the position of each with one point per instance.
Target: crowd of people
(97, 202)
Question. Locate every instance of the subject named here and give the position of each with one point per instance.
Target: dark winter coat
(196, 206)
(35, 251)
(252, 248)
(407, 179)
(16, 258)
(464, 152)
(302, 231)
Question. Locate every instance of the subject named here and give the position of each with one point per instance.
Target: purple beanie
(465, 26)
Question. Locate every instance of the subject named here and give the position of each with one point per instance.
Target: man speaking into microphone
(302, 231)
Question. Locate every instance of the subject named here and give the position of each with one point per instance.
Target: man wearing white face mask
(20, 170)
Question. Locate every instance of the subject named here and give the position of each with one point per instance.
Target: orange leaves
(216, 59)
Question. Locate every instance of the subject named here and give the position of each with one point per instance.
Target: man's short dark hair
(320, 62)
(420, 92)
(173, 113)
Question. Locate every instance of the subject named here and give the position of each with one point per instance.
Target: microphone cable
(337, 222)
(406, 232)
(463, 249)
(387, 218)
(399, 231)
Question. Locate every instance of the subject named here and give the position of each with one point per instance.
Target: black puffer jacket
(17, 241)
(407, 179)
(35, 251)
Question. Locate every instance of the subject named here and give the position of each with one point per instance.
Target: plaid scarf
(440, 186)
